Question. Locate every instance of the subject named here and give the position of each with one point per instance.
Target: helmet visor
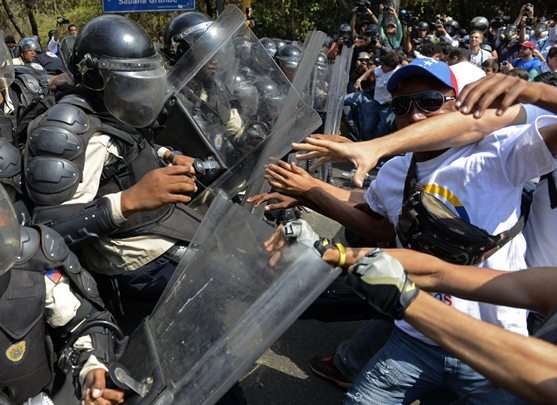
(9, 233)
(7, 74)
(135, 98)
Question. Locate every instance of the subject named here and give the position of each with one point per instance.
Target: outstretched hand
(273, 201)
(290, 179)
(500, 91)
(325, 150)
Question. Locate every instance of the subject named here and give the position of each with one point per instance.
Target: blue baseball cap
(424, 67)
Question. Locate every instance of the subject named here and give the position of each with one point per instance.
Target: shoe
(325, 368)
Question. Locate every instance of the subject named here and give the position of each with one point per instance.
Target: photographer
(526, 15)
(443, 35)
(391, 31)
(362, 12)
(414, 37)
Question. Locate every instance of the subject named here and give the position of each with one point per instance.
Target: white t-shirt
(479, 58)
(382, 95)
(542, 222)
(482, 183)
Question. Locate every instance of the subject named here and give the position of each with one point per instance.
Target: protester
(452, 130)
(478, 55)
(551, 61)
(529, 59)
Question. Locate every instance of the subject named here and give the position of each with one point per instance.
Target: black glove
(382, 282)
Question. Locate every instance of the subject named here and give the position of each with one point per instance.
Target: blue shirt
(529, 65)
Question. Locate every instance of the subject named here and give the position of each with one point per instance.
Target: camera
(405, 16)
(362, 6)
(61, 20)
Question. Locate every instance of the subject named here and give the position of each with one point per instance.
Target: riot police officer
(42, 281)
(289, 57)
(181, 32)
(94, 175)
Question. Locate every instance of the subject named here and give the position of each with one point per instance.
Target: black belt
(175, 253)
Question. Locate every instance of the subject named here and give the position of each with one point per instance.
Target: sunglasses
(427, 102)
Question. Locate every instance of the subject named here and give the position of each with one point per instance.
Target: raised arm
(523, 365)
(436, 133)
(532, 289)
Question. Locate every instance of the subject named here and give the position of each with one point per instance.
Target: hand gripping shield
(239, 289)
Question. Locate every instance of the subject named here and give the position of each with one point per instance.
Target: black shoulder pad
(10, 160)
(53, 245)
(30, 243)
(67, 114)
(51, 181)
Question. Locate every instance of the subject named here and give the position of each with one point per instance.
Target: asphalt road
(282, 375)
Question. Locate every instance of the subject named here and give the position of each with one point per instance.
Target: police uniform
(48, 296)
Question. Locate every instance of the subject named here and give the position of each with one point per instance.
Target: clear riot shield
(340, 75)
(316, 89)
(66, 49)
(337, 88)
(226, 304)
(236, 99)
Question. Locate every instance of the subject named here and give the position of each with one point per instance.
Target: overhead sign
(144, 6)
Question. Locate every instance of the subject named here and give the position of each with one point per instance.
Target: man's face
(552, 63)
(414, 86)
(525, 52)
(28, 56)
(390, 30)
(422, 33)
(362, 63)
(72, 31)
(476, 39)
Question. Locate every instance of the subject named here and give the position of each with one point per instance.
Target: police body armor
(55, 160)
(24, 360)
(26, 354)
(33, 98)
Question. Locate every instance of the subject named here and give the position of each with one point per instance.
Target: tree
(12, 18)
(29, 5)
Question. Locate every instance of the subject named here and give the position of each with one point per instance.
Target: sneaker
(325, 368)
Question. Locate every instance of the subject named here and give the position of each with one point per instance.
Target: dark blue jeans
(406, 369)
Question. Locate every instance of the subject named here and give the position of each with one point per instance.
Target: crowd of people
(520, 46)
(450, 245)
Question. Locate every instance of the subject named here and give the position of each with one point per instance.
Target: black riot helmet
(181, 33)
(270, 46)
(115, 58)
(480, 24)
(289, 57)
(280, 43)
(423, 26)
(452, 27)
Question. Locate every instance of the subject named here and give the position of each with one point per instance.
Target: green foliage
(289, 19)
